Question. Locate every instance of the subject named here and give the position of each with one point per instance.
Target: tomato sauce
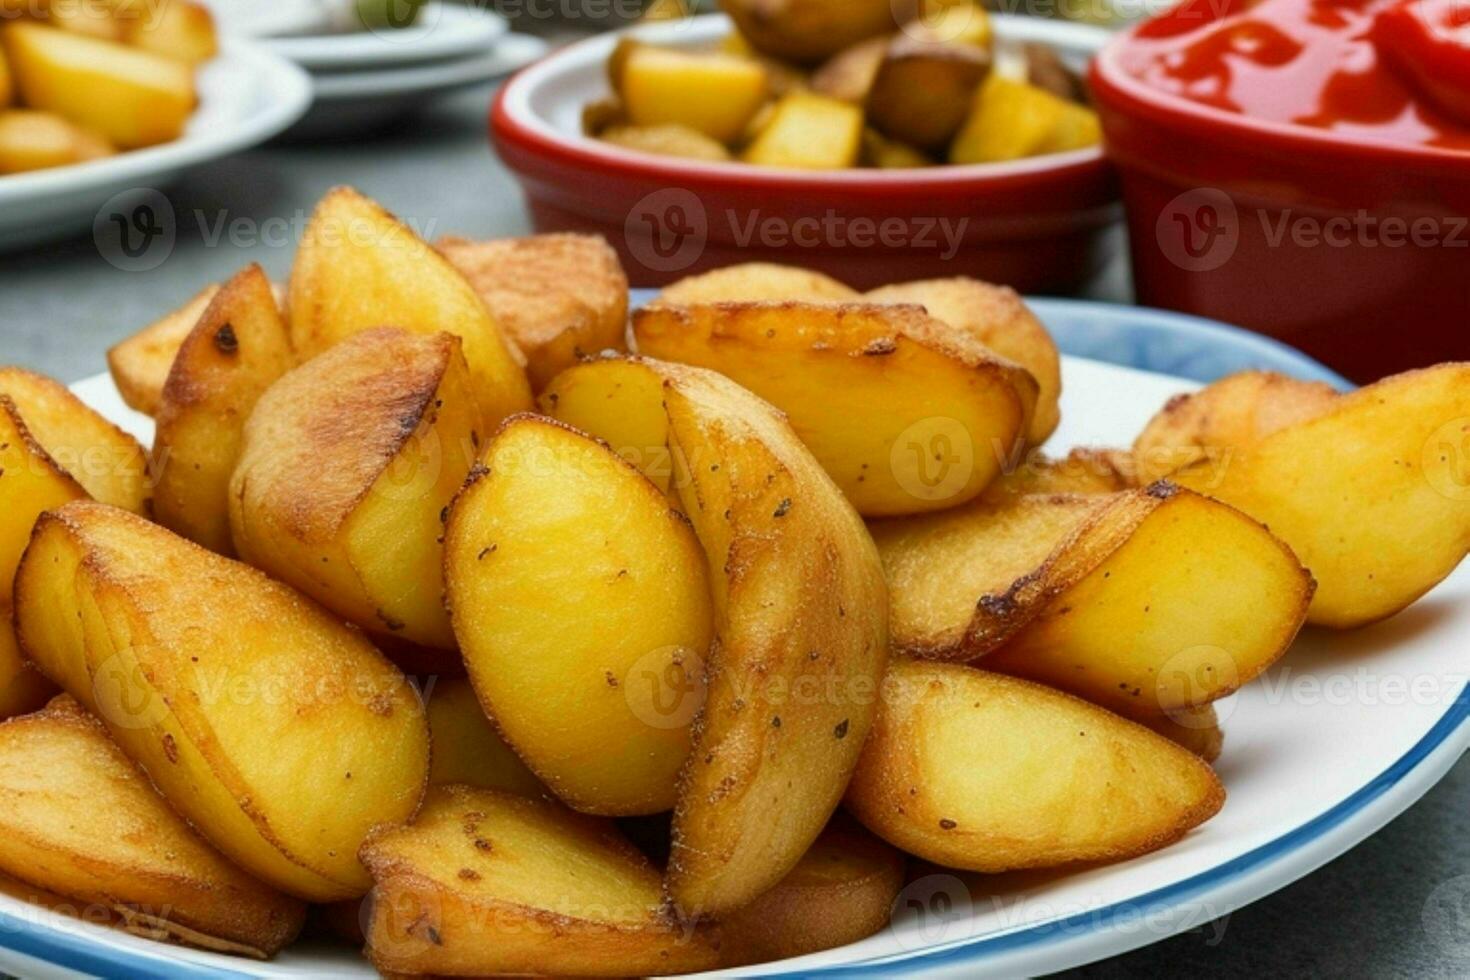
(1328, 64)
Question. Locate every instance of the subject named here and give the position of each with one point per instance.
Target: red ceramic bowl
(1353, 250)
(1039, 225)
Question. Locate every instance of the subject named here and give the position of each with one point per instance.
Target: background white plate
(246, 96)
(266, 18)
(441, 31)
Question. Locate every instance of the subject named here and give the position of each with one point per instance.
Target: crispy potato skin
(1372, 495)
(467, 749)
(107, 462)
(842, 891)
(1082, 471)
(999, 319)
(141, 363)
(237, 350)
(359, 268)
(1231, 414)
(987, 773)
(279, 733)
(30, 482)
(801, 625)
(484, 882)
(568, 614)
(83, 823)
(751, 282)
(915, 416)
(346, 468)
(558, 297)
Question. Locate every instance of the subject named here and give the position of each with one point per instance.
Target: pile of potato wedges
(456, 613)
(836, 84)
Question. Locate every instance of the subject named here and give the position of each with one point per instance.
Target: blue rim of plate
(1149, 340)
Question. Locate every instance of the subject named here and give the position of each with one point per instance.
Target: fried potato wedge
(922, 91)
(710, 92)
(140, 364)
(347, 467)
(178, 29)
(982, 772)
(237, 350)
(558, 297)
(1232, 413)
(912, 417)
(1196, 729)
(82, 822)
(467, 749)
(359, 268)
(107, 462)
(842, 891)
(800, 617)
(22, 689)
(1093, 616)
(484, 882)
(999, 319)
(571, 617)
(1373, 495)
(277, 732)
(751, 282)
(30, 482)
(31, 140)
(1082, 471)
(849, 74)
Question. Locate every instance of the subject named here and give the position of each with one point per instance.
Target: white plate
(351, 103)
(441, 31)
(267, 18)
(246, 96)
(1340, 737)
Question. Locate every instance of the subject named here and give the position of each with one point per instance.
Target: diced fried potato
(82, 822)
(1196, 729)
(176, 29)
(913, 416)
(359, 268)
(667, 140)
(134, 98)
(277, 732)
(1095, 617)
(600, 114)
(1232, 413)
(922, 91)
(572, 617)
(94, 18)
(557, 297)
(987, 773)
(709, 92)
(31, 481)
(104, 459)
(22, 689)
(237, 350)
(842, 891)
(466, 747)
(1011, 119)
(751, 282)
(998, 318)
(31, 140)
(849, 74)
(1077, 128)
(886, 154)
(810, 30)
(140, 364)
(809, 132)
(1373, 495)
(800, 608)
(484, 882)
(1082, 471)
(345, 475)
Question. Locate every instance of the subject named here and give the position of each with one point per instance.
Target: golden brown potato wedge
(999, 319)
(237, 350)
(178, 29)
(568, 614)
(849, 74)
(808, 132)
(30, 482)
(667, 140)
(346, 472)
(810, 30)
(134, 98)
(751, 282)
(982, 772)
(22, 689)
(360, 268)
(277, 732)
(913, 416)
(31, 140)
(1094, 617)
(1217, 420)
(800, 614)
(922, 91)
(710, 92)
(140, 364)
(466, 747)
(105, 460)
(1196, 729)
(558, 297)
(82, 822)
(484, 882)
(842, 891)
(1373, 495)
(1082, 471)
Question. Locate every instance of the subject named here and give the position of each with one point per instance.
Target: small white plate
(246, 96)
(271, 18)
(442, 31)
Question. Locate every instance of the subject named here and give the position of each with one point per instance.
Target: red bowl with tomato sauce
(1301, 168)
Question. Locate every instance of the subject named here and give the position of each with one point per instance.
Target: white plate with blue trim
(1336, 740)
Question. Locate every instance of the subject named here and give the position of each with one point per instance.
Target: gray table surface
(61, 306)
